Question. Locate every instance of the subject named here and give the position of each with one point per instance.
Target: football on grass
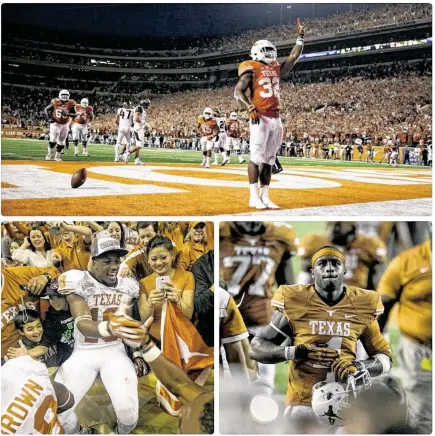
(78, 178)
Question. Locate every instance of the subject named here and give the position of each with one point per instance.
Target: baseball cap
(106, 244)
(51, 290)
(195, 223)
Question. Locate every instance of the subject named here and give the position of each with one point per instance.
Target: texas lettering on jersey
(84, 116)
(264, 87)
(61, 110)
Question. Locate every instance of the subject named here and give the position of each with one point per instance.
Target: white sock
(57, 154)
(207, 160)
(264, 191)
(253, 189)
(116, 150)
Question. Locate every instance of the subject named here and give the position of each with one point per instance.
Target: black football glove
(317, 353)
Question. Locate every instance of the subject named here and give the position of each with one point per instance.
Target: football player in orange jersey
(58, 113)
(233, 137)
(365, 255)
(253, 257)
(323, 322)
(407, 282)
(261, 76)
(209, 133)
(79, 128)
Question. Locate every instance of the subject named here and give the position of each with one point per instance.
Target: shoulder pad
(246, 67)
(200, 119)
(23, 364)
(72, 102)
(90, 109)
(224, 229)
(129, 286)
(283, 232)
(310, 243)
(69, 282)
(292, 300)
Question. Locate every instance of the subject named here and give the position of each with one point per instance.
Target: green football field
(35, 150)
(302, 229)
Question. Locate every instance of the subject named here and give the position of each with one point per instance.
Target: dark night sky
(190, 20)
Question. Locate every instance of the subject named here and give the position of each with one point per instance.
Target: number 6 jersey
(248, 265)
(101, 299)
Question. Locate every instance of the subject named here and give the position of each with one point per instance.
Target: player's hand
(126, 272)
(319, 354)
(300, 27)
(253, 115)
(132, 332)
(17, 352)
(343, 368)
(37, 284)
(156, 296)
(140, 366)
(51, 121)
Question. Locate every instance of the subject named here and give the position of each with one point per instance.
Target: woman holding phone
(35, 250)
(166, 282)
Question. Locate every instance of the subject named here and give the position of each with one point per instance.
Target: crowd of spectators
(383, 99)
(371, 16)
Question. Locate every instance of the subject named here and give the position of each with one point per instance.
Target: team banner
(184, 346)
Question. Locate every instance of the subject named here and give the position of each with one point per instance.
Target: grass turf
(35, 150)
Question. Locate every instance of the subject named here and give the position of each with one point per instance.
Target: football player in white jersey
(219, 145)
(31, 402)
(124, 120)
(139, 122)
(93, 297)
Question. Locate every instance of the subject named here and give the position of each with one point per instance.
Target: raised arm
(294, 55)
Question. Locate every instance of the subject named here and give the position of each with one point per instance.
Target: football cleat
(242, 161)
(49, 156)
(138, 162)
(277, 167)
(269, 203)
(84, 102)
(57, 159)
(85, 153)
(264, 51)
(64, 95)
(225, 161)
(256, 203)
(203, 162)
(116, 159)
(208, 113)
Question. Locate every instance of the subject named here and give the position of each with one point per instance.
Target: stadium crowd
(371, 16)
(349, 99)
(36, 260)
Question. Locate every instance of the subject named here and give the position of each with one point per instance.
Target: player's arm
(294, 55)
(91, 116)
(65, 398)
(242, 86)
(137, 114)
(73, 112)
(390, 288)
(48, 111)
(284, 273)
(378, 363)
(236, 359)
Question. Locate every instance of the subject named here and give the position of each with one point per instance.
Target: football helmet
(233, 116)
(252, 228)
(264, 51)
(64, 95)
(330, 398)
(145, 103)
(208, 113)
(125, 104)
(84, 102)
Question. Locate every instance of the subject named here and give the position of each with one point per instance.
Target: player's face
(114, 230)
(146, 234)
(328, 273)
(198, 233)
(106, 268)
(33, 331)
(37, 239)
(59, 303)
(160, 260)
(340, 233)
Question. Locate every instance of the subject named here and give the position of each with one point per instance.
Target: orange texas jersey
(264, 87)
(14, 299)
(363, 253)
(85, 114)
(408, 279)
(206, 127)
(233, 128)
(312, 321)
(248, 265)
(61, 110)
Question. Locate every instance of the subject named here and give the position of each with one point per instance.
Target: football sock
(253, 189)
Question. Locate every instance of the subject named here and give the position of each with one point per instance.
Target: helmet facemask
(84, 102)
(264, 51)
(64, 95)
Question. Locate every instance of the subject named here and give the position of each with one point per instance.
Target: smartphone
(54, 230)
(161, 280)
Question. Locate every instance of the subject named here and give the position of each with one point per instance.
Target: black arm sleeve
(284, 272)
(203, 271)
